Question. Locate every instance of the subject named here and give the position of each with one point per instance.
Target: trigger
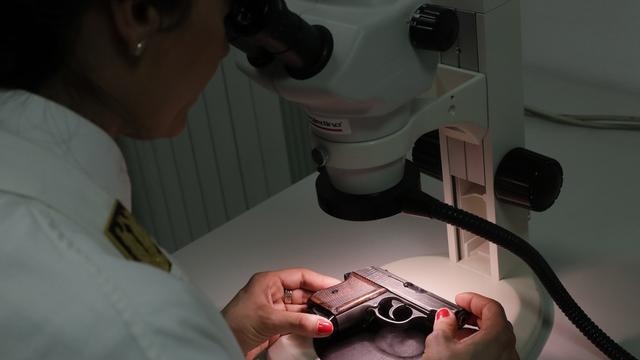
(394, 305)
(400, 312)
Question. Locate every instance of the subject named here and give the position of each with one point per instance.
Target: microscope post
(499, 58)
(490, 44)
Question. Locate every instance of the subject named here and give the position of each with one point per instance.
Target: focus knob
(434, 28)
(527, 179)
(426, 154)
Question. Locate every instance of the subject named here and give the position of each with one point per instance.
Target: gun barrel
(405, 289)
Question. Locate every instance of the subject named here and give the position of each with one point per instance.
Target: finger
(301, 278)
(489, 313)
(446, 322)
(296, 308)
(300, 296)
(494, 327)
(443, 335)
(307, 325)
(465, 333)
(290, 307)
(257, 351)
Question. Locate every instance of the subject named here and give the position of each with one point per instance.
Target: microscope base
(526, 303)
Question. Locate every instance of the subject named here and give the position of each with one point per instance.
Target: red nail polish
(325, 327)
(442, 313)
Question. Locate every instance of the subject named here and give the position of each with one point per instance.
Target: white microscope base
(526, 303)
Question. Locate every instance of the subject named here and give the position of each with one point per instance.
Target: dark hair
(36, 35)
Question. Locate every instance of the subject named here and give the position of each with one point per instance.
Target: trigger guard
(395, 305)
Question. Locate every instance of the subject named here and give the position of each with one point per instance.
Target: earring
(139, 49)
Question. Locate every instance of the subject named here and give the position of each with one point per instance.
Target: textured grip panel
(353, 291)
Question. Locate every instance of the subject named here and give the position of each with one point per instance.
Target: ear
(135, 21)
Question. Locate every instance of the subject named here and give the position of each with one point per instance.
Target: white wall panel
(231, 156)
(190, 184)
(591, 41)
(173, 192)
(206, 168)
(217, 105)
(155, 191)
(246, 134)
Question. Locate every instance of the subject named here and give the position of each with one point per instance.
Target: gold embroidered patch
(132, 241)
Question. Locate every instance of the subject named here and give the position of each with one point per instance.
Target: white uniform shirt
(65, 291)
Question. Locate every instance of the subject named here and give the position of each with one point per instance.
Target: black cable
(425, 205)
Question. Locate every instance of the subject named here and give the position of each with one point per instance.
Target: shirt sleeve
(170, 319)
(64, 297)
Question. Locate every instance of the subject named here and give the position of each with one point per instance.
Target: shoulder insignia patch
(132, 241)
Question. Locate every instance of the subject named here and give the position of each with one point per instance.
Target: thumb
(307, 325)
(444, 330)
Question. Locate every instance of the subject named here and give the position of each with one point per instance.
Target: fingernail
(325, 327)
(442, 313)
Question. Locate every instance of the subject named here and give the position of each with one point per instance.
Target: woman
(75, 74)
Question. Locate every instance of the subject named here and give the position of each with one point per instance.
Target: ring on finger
(288, 296)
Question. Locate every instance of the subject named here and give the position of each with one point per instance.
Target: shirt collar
(69, 136)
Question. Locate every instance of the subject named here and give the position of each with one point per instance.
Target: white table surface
(591, 237)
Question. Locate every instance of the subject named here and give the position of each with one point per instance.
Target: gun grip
(339, 298)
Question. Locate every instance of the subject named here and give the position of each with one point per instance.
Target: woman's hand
(259, 314)
(495, 339)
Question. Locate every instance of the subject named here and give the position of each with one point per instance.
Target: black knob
(434, 28)
(527, 179)
(319, 157)
(426, 154)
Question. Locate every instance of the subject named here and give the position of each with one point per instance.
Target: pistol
(376, 294)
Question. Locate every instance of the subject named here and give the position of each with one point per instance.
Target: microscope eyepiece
(266, 30)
